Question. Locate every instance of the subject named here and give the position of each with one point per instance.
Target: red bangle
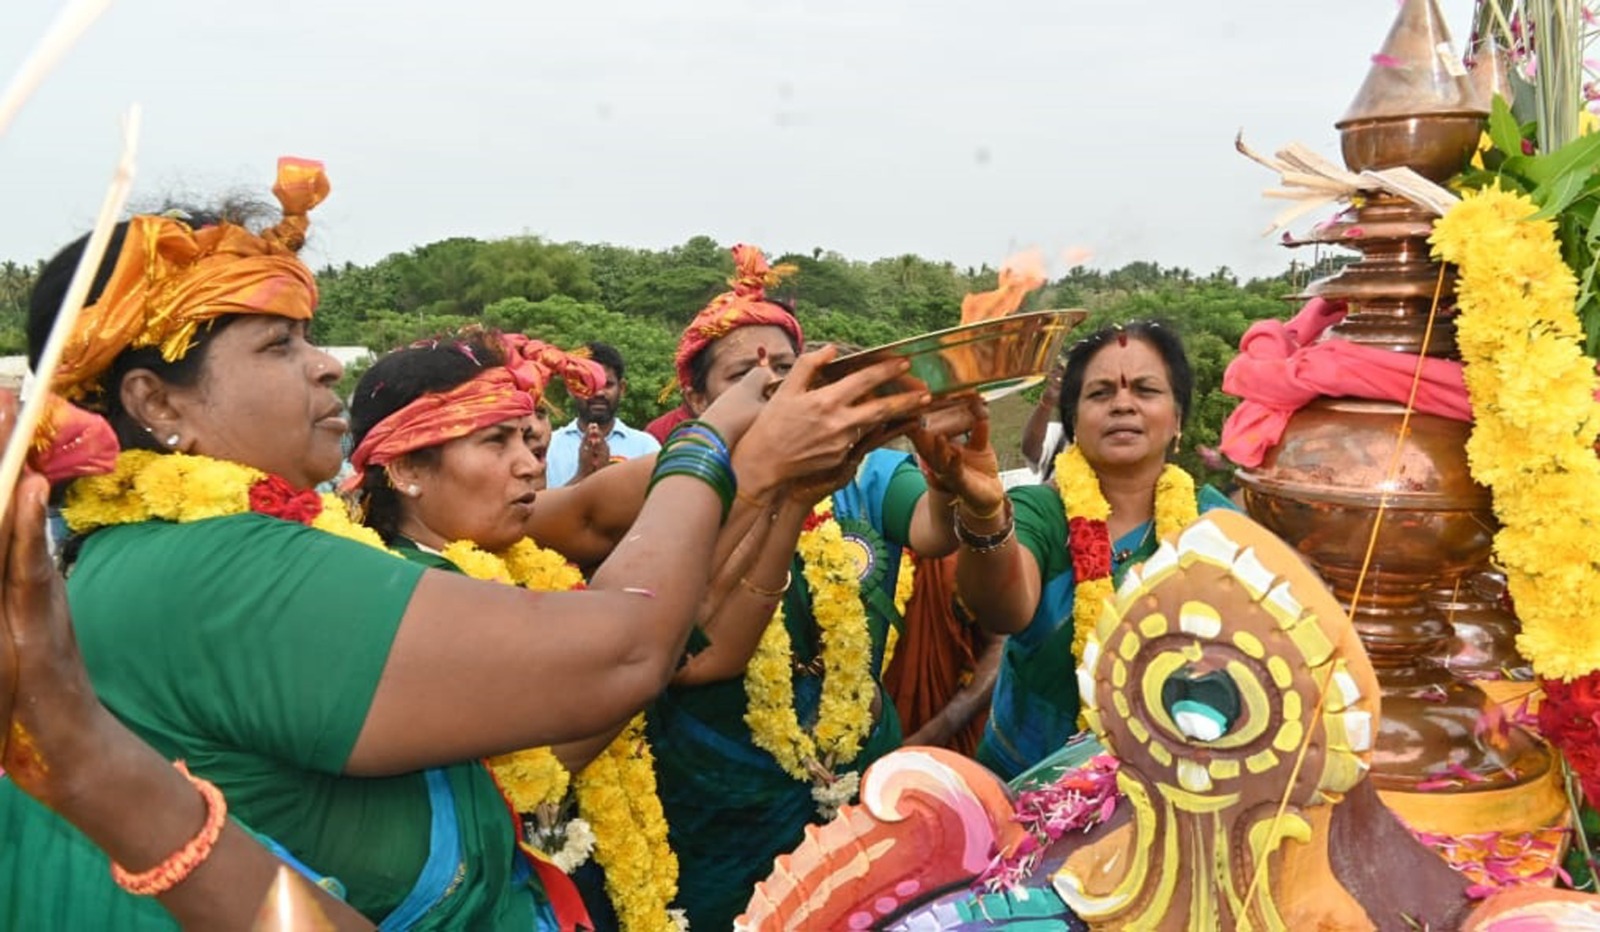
(177, 868)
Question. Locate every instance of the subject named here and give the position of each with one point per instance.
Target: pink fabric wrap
(1283, 366)
(72, 442)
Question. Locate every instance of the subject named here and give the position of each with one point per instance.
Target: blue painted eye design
(1204, 706)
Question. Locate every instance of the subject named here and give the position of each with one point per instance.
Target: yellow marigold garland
(1175, 507)
(1535, 420)
(904, 583)
(616, 792)
(181, 488)
(844, 716)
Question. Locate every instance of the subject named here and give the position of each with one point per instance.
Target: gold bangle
(989, 515)
(985, 543)
(788, 577)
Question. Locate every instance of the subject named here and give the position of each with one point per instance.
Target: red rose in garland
(276, 497)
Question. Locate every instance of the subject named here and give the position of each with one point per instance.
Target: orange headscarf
(745, 306)
(170, 279)
(498, 393)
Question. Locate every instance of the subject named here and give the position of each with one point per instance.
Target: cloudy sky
(956, 130)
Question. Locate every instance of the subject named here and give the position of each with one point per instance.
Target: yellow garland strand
(1535, 420)
(1175, 508)
(617, 792)
(844, 716)
(904, 583)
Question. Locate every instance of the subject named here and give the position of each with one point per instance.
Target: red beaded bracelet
(177, 868)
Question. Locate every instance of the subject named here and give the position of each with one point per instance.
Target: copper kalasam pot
(1433, 145)
(1320, 489)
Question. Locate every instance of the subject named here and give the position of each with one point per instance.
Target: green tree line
(640, 299)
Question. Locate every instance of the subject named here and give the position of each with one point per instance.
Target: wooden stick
(21, 441)
(62, 35)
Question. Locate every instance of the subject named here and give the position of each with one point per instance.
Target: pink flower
(1383, 60)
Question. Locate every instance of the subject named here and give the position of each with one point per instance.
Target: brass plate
(992, 358)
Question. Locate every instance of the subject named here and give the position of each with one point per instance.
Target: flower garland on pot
(844, 716)
(1535, 422)
(1089, 541)
(629, 838)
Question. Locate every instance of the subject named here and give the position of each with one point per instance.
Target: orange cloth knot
(745, 306)
(170, 279)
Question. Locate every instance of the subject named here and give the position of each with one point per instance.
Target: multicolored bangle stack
(183, 862)
(695, 448)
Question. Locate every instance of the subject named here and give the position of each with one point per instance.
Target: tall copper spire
(1416, 72)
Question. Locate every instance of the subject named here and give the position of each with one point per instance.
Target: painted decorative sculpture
(1236, 710)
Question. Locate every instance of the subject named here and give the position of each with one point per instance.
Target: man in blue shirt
(596, 437)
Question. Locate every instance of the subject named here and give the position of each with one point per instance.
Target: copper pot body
(1321, 489)
(1325, 489)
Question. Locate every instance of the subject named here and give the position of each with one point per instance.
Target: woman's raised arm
(530, 669)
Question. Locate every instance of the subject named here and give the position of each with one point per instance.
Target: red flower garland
(1569, 718)
(276, 497)
(1090, 548)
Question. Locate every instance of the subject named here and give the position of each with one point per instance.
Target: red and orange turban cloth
(170, 280)
(745, 306)
(498, 393)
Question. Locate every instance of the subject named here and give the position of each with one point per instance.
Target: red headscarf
(498, 393)
(745, 306)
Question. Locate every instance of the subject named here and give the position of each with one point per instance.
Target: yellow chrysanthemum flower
(1532, 391)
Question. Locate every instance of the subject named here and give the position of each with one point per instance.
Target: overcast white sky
(954, 130)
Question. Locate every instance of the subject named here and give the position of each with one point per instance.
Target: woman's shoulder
(1209, 498)
(231, 547)
(1038, 505)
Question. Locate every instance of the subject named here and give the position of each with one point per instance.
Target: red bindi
(1122, 338)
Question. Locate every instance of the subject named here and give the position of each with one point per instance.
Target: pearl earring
(172, 441)
(412, 490)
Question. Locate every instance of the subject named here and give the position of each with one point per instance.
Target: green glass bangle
(719, 483)
(693, 453)
(701, 462)
(703, 430)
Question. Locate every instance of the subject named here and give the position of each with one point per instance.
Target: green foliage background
(640, 299)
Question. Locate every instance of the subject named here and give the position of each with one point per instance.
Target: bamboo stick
(62, 35)
(21, 440)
